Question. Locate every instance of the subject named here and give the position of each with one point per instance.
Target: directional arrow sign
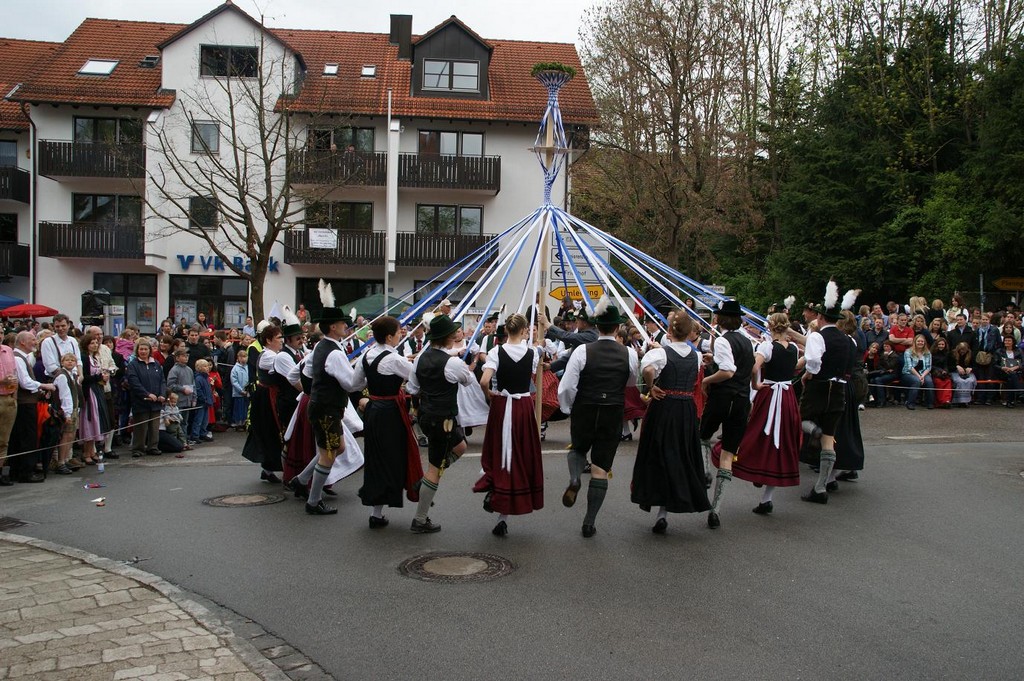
(1009, 283)
(586, 274)
(575, 294)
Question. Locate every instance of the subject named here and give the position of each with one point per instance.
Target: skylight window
(330, 69)
(369, 71)
(98, 67)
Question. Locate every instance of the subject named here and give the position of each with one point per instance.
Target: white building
(125, 117)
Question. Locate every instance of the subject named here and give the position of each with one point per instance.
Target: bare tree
(230, 185)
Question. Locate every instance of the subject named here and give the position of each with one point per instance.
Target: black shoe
(910, 406)
(153, 452)
(426, 527)
(569, 496)
(63, 470)
(487, 502)
(714, 522)
(330, 492)
(136, 455)
(660, 526)
(111, 455)
(468, 431)
(500, 530)
(5, 481)
(847, 476)
(764, 508)
(589, 531)
(586, 469)
(37, 476)
(297, 488)
(832, 486)
(707, 481)
(267, 476)
(377, 523)
(628, 437)
(816, 497)
(422, 440)
(320, 509)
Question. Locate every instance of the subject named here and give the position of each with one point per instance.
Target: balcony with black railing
(367, 248)
(91, 159)
(14, 184)
(369, 169)
(340, 168)
(14, 260)
(435, 171)
(123, 241)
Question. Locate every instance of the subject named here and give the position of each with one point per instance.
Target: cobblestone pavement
(65, 615)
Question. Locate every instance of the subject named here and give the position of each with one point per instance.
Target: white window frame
(98, 67)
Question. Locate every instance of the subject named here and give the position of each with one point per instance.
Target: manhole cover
(236, 500)
(449, 567)
(10, 523)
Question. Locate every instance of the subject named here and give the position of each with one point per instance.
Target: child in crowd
(239, 395)
(170, 419)
(204, 400)
(70, 401)
(182, 381)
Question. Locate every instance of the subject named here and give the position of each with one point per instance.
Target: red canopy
(28, 310)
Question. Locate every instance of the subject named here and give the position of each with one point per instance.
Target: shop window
(221, 61)
(205, 138)
(451, 220)
(136, 292)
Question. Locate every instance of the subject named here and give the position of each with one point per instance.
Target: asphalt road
(913, 572)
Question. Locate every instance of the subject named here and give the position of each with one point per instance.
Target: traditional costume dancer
(592, 391)
(391, 448)
(849, 442)
(669, 469)
(264, 444)
(728, 403)
(333, 380)
(436, 377)
(513, 473)
(769, 453)
(288, 385)
(827, 357)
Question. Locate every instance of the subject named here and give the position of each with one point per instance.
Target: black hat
(500, 332)
(729, 308)
(330, 315)
(606, 314)
(568, 316)
(493, 317)
(442, 326)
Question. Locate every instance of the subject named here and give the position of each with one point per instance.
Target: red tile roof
(514, 94)
(20, 58)
(57, 79)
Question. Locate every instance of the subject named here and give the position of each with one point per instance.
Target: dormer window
(449, 75)
(369, 71)
(330, 69)
(98, 67)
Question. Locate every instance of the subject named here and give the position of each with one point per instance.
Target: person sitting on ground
(171, 423)
(917, 370)
(964, 378)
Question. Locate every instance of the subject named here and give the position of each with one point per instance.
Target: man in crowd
(901, 336)
(877, 333)
(962, 333)
(25, 434)
(58, 345)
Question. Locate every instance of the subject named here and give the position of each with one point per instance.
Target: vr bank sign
(215, 263)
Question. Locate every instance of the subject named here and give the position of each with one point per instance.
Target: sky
(544, 20)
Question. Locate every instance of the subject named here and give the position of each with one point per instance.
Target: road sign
(1009, 283)
(574, 292)
(586, 274)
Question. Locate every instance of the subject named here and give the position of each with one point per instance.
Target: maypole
(551, 150)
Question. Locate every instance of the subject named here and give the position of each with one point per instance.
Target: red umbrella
(28, 310)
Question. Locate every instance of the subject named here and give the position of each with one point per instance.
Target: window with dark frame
(451, 143)
(449, 220)
(8, 154)
(8, 228)
(340, 139)
(205, 138)
(226, 61)
(203, 212)
(451, 75)
(107, 209)
(342, 215)
(107, 130)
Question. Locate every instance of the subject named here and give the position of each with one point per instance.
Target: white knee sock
(766, 495)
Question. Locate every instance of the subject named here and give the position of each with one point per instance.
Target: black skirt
(669, 468)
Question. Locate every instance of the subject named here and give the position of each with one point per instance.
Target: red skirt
(549, 397)
(301, 447)
(519, 490)
(757, 459)
(943, 390)
(636, 408)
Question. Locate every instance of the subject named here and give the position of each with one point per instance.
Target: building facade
(145, 149)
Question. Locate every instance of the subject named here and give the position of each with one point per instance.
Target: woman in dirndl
(263, 445)
(669, 468)
(769, 453)
(513, 478)
(392, 454)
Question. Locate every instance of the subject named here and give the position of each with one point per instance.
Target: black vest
(325, 389)
(377, 383)
(782, 365)
(835, 362)
(604, 376)
(285, 389)
(679, 374)
(513, 376)
(438, 397)
(743, 358)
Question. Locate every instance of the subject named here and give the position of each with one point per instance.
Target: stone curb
(246, 651)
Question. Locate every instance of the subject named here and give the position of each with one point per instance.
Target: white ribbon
(506, 428)
(773, 424)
